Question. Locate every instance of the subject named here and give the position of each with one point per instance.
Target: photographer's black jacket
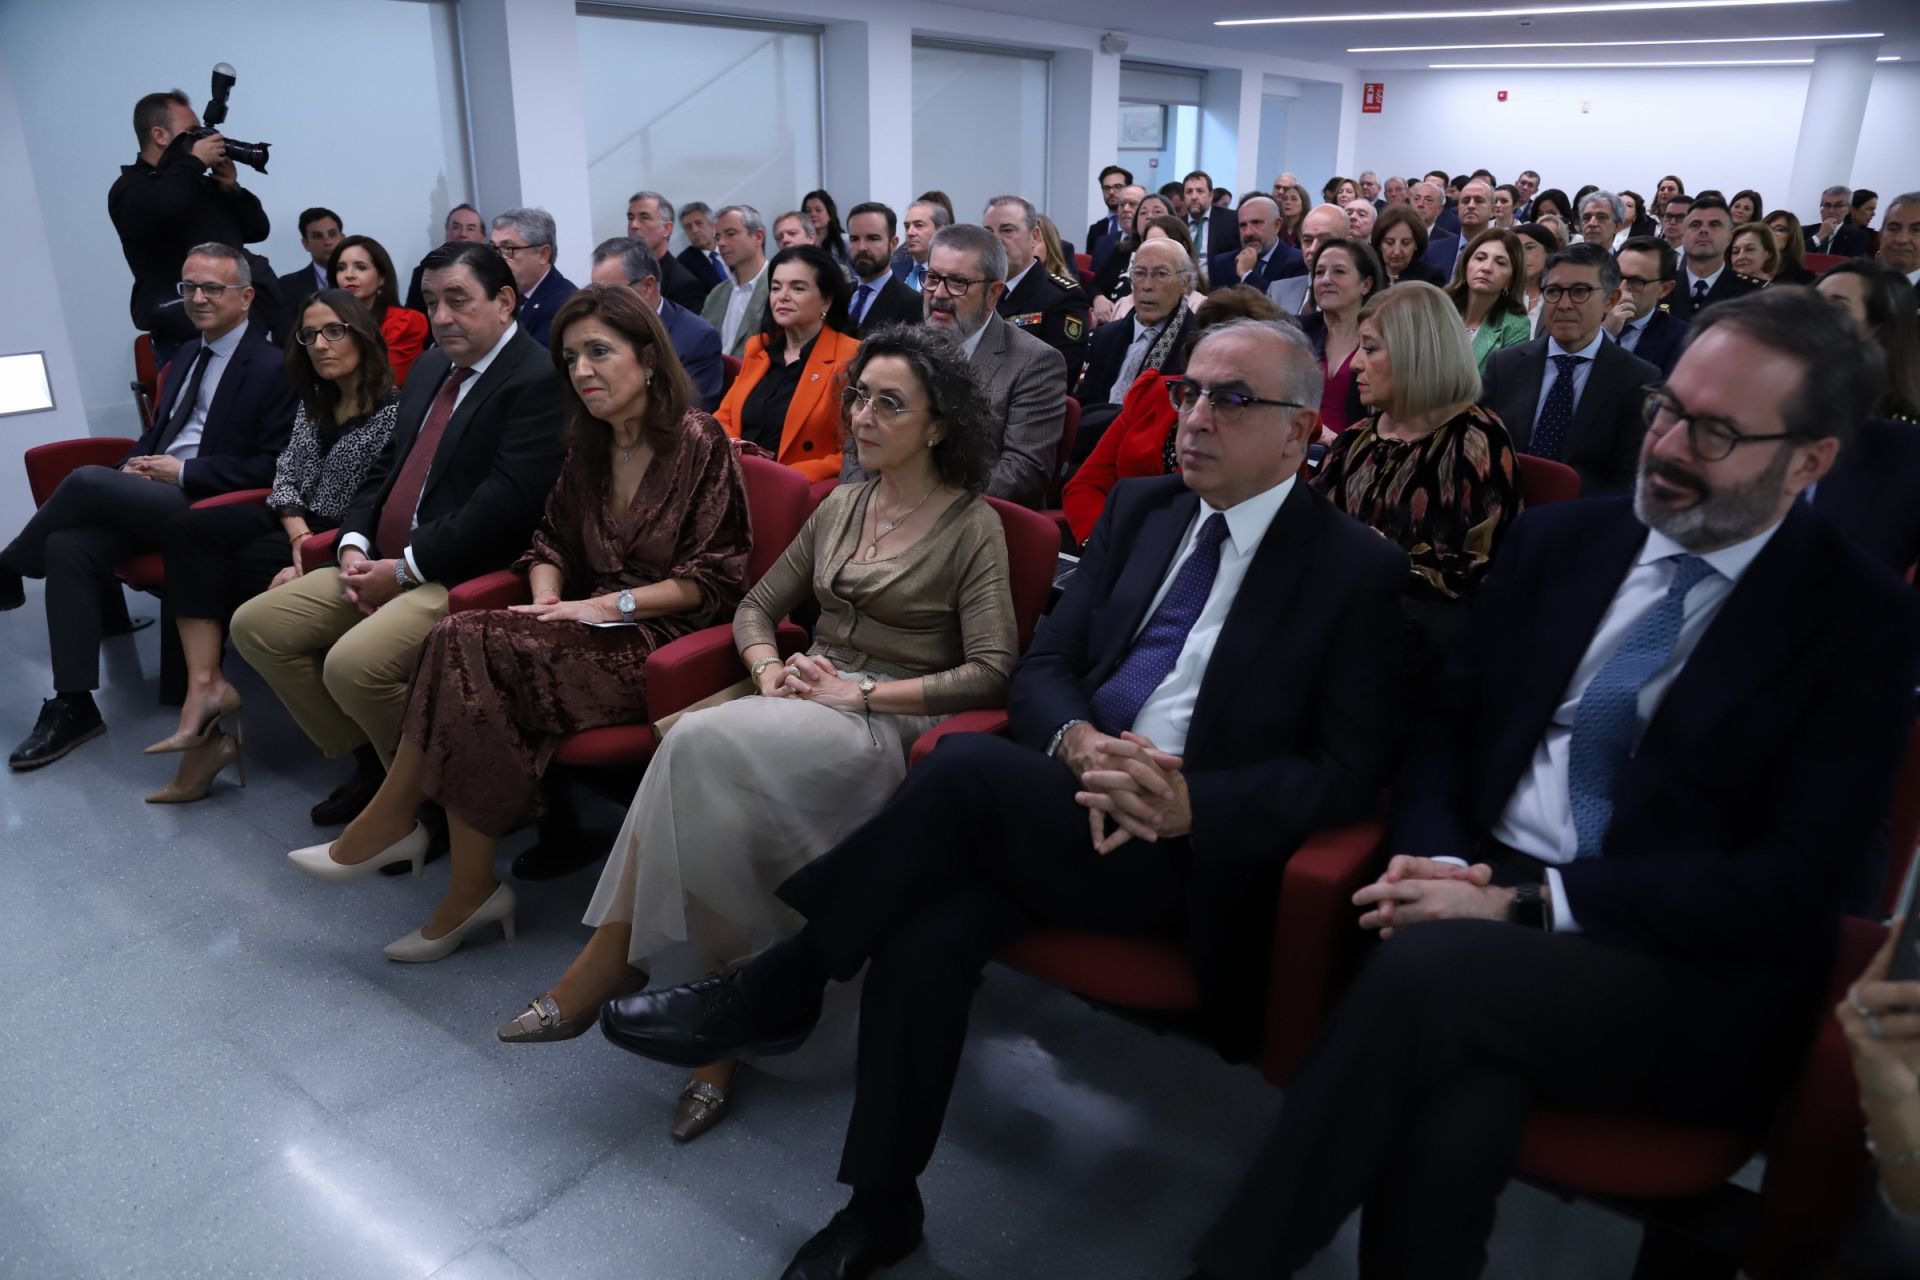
(163, 210)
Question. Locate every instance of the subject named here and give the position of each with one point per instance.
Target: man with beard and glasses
(1025, 378)
(1650, 786)
(878, 298)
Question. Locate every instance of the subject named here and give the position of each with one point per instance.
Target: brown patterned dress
(497, 691)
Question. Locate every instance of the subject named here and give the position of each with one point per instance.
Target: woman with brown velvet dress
(647, 526)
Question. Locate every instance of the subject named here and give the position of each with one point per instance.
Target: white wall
(1889, 160)
(1003, 147)
(1313, 138)
(331, 97)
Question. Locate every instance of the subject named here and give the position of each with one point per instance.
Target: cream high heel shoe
(229, 705)
(316, 861)
(417, 948)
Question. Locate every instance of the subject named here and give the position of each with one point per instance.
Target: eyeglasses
(1578, 292)
(1156, 275)
(331, 332)
(885, 408)
(1672, 215)
(956, 286)
(511, 251)
(213, 292)
(1711, 439)
(1633, 282)
(1228, 406)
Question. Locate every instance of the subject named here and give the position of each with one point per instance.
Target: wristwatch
(625, 605)
(867, 686)
(1528, 908)
(760, 666)
(401, 578)
(1060, 736)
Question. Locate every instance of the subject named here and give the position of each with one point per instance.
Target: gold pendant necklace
(884, 527)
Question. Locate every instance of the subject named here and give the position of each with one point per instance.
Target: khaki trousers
(341, 673)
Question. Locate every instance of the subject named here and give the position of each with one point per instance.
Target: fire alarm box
(1502, 95)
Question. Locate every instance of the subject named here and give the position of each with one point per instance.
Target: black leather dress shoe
(64, 724)
(346, 801)
(703, 1022)
(13, 592)
(853, 1246)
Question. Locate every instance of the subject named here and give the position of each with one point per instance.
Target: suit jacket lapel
(816, 380)
(227, 392)
(1525, 397)
(1147, 561)
(1600, 383)
(498, 372)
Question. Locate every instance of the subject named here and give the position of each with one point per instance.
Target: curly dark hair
(669, 395)
(965, 455)
(372, 381)
(827, 277)
(389, 294)
(1892, 325)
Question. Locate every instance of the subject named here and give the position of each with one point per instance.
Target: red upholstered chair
(729, 370)
(1821, 263)
(146, 377)
(317, 550)
(1544, 481)
(1083, 267)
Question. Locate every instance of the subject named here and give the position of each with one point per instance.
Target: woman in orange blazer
(787, 397)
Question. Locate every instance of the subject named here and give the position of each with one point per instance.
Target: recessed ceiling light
(1527, 11)
(1589, 66)
(1891, 58)
(1613, 44)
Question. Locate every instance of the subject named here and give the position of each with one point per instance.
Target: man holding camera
(181, 191)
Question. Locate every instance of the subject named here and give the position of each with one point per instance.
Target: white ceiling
(1329, 42)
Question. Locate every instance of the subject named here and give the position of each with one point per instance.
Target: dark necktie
(918, 277)
(183, 407)
(1607, 722)
(1699, 292)
(862, 299)
(391, 533)
(1556, 415)
(719, 266)
(1117, 702)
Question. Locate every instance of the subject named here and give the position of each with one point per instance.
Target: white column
(1086, 135)
(868, 111)
(1837, 92)
(1230, 106)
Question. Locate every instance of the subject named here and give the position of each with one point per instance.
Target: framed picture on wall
(1143, 126)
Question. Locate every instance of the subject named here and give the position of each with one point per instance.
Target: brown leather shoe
(701, 1107)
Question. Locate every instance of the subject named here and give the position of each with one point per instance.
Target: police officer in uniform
(1053, 308)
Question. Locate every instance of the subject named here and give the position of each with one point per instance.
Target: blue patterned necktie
(1117, 702)
(1556, 415)
(1607, 722)
(918, 278)
(862, 299)
(1699, 293)
(719, 264)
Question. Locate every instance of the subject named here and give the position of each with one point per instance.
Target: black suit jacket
(1750, 809)
(295, 286)
(1660, 341)
(1729, 285)
(538, 308)
(1604, 442)
(1283, 263)
(247, 424)
(894, 304)
(677, 284)
(1223, 231)
(497, 460)
(1096, 233)
(1849, 241)
(700, 269)
(1267, 762)
(1870, 493)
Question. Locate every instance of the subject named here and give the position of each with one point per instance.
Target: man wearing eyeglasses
(1148, 337)
(1836, 232)
(1651, 785)
(1167, 750)
(1673, 221)
(223, 413)
(1639, 322)
(525, 238)
(1572, 394)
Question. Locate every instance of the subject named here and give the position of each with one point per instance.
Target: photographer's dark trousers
(94, 520)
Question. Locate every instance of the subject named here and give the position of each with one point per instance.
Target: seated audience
(1053, 253)
(1673, 221)
(1900, 236)
(1664, 192)
(1883, 1034)
(1024, 378)
(1114, 182)
(1167, 228)
(942, 199)
(738, 305)
(701, 257)
(823, 216)
(791, 229)
(647, 525)
(1751, 252)
(1141, 439)
(1638, 322)
(1865, 202)
(1528, 185)
(1882, 304)
(1489, 290)
(1346, 274)
(1506, 198)
(1400, 238)
(1261, 259)
(219, 557)
(1746, 206)
(1294, 295)
(879, 298)
(909, 571)
(339, 644)
(1603, 219)
(627, 261)
(1791, 242)
(319, 232)
(463, 225)
(1443, 242)
(783, 399)
(1638, 221)
(1707, 278)
(650, 221)
(1572, 394)
(1537, 243)
(1108, 753)
(1552, 203)
(1837, 233)
(1214, 230)
(1151, 336)
(1293, 202)
(1111, 281)
(1663, 707)
(1360, 218)
(1121, 221)
(1339, 190)
(1429, 470)
(525, 238)
(1053, 308)
(224, 411)
(924, 217)
(360, 265)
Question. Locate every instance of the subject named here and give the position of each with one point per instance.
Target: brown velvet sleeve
(715, 534)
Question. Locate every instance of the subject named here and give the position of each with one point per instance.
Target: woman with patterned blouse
(1429, 469)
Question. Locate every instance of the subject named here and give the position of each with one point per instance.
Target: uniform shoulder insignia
(1064, 281)
(1757, 282)
(1665, 307)
(1075, 328)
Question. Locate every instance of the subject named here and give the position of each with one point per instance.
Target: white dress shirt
(186, 445)
(1538, 819)
(737, 302)
(971, 343)
(1168, 712)
(1581, 371)
(1634, 330)
(479, 368)
(1687, 279)
(1913, 277)
(1013, 282)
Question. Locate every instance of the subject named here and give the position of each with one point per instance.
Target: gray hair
(1025, 206)
(749, 218)
(1839, 190)
(1905, 197)
(982, 243)
(1615, 205)
(448, 223)
(242, 269)
(693, 206)
(666, 205)
(1368, 173)
(936, 213)
(1303, 378)
(534, 225)
(635, 260)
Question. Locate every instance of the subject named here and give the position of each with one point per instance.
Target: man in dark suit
(701, 257)
(319, 232)
(1214, 231)
(1572, 394)
(1666, 752)
(1443, 246)
(1113, 180)
(224, 412)
(878, 298)
(1837, 232)
(1707, 278)
(923, 221)
(1146, 786)
(1639, 321)
(1869, 493)
(1052, 308)
(1261, 259)
(624, 260)
(464, 225)
(1148, 337)
(650, 220)
(1130, 198)
(525, 238)
(456, 493)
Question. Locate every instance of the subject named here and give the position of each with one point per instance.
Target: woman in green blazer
(1490, 291)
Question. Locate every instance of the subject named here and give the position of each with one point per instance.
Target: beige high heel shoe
(229, 706)
(198, 768)
(540, 1022)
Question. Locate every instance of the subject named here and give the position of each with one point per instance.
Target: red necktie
(393, 532)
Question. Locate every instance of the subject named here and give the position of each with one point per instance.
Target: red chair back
(49, 464)
(778, 502)
(1083, 262)
(1033, 549)
(146, 377)
(1544, 481)
(729, 370)
(1821, 263)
